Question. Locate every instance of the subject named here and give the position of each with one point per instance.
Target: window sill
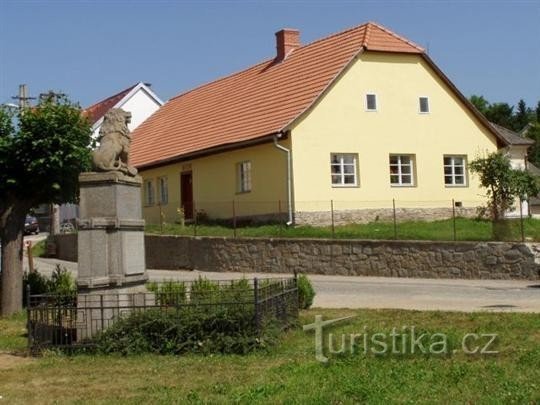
(403, 185)
(345, 186)
(456, 185)
(242, 192)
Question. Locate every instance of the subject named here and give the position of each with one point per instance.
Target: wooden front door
(186, 192)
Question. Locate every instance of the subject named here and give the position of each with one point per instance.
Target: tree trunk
(11, 236)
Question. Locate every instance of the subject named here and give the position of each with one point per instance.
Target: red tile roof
(96, 111)
(257, 102)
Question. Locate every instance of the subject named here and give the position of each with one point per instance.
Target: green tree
(533, 132)
(521, 118)
(503, 186)
(538, 112)
(501, 114)
(42, 151)
(480, 103)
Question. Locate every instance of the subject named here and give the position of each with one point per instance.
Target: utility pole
(23, 97)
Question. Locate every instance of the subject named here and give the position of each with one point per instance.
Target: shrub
(62, 282)
(204, 291)
(306, 292)
(169, 293)
(186, 330)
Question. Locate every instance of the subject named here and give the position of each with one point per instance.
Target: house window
(243, 175)
(163, 190)
(423, 105)
(371, 102)
(402, 170)
(454, 171)
(344, 169)
(149, 192)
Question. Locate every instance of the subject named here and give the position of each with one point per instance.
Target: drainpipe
(289, 174)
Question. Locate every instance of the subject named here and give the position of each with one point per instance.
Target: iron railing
(68, 321)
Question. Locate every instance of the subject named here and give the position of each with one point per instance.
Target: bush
(306, 292)
(60, 283)
(204, 291)
(186, 330)
(169, 293)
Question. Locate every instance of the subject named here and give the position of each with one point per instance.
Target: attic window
(423, 105)
(371, 102)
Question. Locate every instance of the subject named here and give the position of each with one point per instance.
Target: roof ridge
(388, 31)
(366, 35)
(264, 61)
(126, 90)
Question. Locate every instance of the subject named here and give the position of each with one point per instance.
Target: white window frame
(400, 174)
(420, 105)
(163, 197)
(149, 192)
(376, 102)
(243, 177)
(453, 175)
(341, 164)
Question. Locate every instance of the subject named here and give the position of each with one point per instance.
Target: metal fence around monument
(74, 321)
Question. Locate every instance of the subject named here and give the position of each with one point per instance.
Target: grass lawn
(466, 229)
(289, 372)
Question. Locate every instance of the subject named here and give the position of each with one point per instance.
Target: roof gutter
(289, 176)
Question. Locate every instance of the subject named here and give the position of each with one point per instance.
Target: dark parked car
(31, 225)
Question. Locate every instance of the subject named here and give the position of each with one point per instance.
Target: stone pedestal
(112, 268)
(111, 232)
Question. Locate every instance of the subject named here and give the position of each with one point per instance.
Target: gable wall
(339, 123)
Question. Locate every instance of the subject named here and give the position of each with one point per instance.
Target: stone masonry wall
(467, 260)
(364, 216)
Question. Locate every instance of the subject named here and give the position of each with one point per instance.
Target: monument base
(99, 308)
(111, 232)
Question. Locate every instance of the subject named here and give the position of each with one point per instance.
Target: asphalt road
(386, 292)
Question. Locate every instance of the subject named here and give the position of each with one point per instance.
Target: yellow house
(358, 122)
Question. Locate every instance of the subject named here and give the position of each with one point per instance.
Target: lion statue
(114, 140)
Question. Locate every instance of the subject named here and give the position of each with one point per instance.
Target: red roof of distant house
(96, 111)
(257, 102)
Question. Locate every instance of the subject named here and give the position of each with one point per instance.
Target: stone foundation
(364, 216)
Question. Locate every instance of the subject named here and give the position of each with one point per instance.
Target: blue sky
(92, 49)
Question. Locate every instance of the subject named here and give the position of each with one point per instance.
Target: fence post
(194, 219)
(521, 220)
(30, 257)
(256, 303)
(454, 218)
(394, 214)
(332, 219)
(28, 316)
(234, 218)
(160, 218)
(280, 221)
(102, 311)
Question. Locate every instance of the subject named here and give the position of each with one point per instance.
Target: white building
(139, 100)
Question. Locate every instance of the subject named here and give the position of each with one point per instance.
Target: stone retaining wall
(467, 260)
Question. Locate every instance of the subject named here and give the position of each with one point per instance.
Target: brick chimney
(287, 40)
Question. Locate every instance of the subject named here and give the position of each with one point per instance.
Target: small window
(243, 175)
(149, 192)
(371, 102)
(424, 105)
(163, 190)
(455, 171)
(402, 170)
(344, 169)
